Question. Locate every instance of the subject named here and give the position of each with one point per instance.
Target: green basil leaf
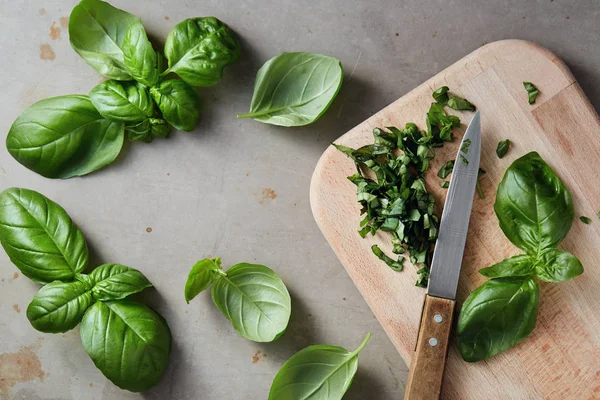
(178, 102)
(115, 282)
(533, 206)
(502, 148)
(64, 136)
(140, 58)
(97, 31)
(148, 129)
(122, 101)
(39, 237)
(201, 276)
(446, 169)
(128, 342)
(441, 95)
(320, 372)
(255, 300)
(198, 49)
(557, 266)
(458, 103)
(393, 264)
(521, 265)
(532, 91)
(496, 316)
(294, 89)
(59, 306)
(585, 220)
(445, 184)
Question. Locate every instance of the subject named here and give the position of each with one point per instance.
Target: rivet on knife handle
(427, 365)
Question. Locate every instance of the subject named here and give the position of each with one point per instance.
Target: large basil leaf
(521, 265)
(59, 306)
(39, 237)
(320, 372)
(533, 206)
(255, 300)
(115, 282)
(201, 276)
(128, 341)
(64, 136)
(122, 101)
(178, 102)
(97, 31)
(558, 266)
(496, 316)
(139, 56)
(198, 49)
(295, 89)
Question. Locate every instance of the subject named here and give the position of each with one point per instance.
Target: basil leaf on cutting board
(532, 91)
(502, 148)
(59, 306)
(116, 281)
(178, 102)
(97, 31)
(557, 266)
(128, 342)
(64, 136)
(122, 101)
(140, 59)
(295, 89)
(203, 274)
(198, 49)
(496, 316)
(317, 372)
(520, 265)
(39, 237)
(458, 103)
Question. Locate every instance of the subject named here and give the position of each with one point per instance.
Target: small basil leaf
(585, 220)
(458, 103)
(59, 306)
(446, 169)
(502, 148)
(521, 265)
(64, 136)
(445, 184)
(496, 316)
(115, 282)
(178, 102)
(533, 206)
(140, 58)
(441, 95)
(39, 237)
(122, 101)
(532, 91)
(97, 31)
(148, 129)
(393, 264)
(321, 372)
(557, 266)
(128, 342)
(295, 89)
(255, 300)
(201, 276)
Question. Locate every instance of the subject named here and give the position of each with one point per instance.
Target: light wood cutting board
(561, 358)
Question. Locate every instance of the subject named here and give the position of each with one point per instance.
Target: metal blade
(448, 253)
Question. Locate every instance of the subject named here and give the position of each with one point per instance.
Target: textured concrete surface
(238, 189)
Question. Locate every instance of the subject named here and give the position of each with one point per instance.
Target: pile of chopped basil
(391, 184)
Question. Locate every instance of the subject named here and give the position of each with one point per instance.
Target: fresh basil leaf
(521, 265)
(128, 342)
(532, 91)
(198, 49)
(64, 136)
(116, 281)
(533, 206)
(295, 89)
(201, 276)
(122, 101)
(148, 129)
(446, 169)
(441, 95)
(445, 184)
(178, 102)
(585, 220)
(39, 237)
(478, 185)
(320, 372)
(97, 31)
(255, 300)
(393, 264)
(463, 159)
(465, 146)
(496, 316)
(140, 58)
(557, 266)
(59, 306)
(502, 148)
(458, 103)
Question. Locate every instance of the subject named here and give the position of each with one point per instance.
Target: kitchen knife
(429, 359)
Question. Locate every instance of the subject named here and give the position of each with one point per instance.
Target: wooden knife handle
(428, 362)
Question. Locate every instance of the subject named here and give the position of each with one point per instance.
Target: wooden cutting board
(561, 358)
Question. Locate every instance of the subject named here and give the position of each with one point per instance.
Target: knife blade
(429, 359)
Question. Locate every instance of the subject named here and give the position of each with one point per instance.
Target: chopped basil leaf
(458, 103)
(464, 160)
(532, 91)
(446, 169)
(395, 265)
(445, 184)
(502, 148)
(585, 220)
(465, 147)
(441, 95)
(478, 186)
